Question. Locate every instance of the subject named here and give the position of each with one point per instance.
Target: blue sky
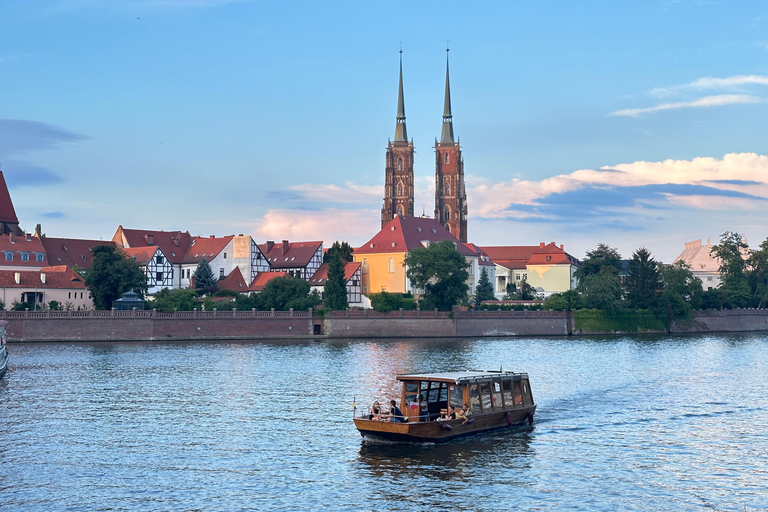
(635, 124)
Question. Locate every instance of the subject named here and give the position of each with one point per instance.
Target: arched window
(447, 214)
(399, 164)
(447, 159)
(391, 265)
(400, 211)
(399, 191)
(447, 187)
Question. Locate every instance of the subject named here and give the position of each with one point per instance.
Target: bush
(632, 320)
(385, 301)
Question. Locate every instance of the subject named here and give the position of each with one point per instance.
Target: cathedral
(450, 195)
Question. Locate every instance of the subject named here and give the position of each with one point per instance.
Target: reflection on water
(646, 424)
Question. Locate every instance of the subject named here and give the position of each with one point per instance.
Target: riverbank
(40, 326)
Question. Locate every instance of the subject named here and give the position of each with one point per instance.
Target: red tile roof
(173, 243)
(516, 257)
(403, 234)
(289, 254)
(234, 282)
(56, 278)
(142, 255)
(483, 257)
(7, 213)
(210, 247)
(16, 245)
(262, 278)
(321, 276)
(71, 251)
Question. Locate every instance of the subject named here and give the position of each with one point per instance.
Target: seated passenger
(423, 409)
(450, 414)
(395, 415)
(466, 413)
(375, 412)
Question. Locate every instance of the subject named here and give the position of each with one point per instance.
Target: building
(297, 259)
(353, 277)
(546, 267)
(398, 174)
(9, 223)
(703, 263)
(258, 284)
(40, 287)
(234, 282)
(450, 194)
(72, 252)
(383, 256)
(217, 251)
(174, 245)
(477, 264)
(22, 252)
(155, 264)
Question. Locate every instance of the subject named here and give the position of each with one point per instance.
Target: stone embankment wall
(222, 325)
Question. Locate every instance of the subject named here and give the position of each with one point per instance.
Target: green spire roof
(446, 137)
(401, 133)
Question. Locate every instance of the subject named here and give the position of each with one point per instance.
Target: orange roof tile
(208, 247)
(234, 282)
(142, 255)
(71, 251)
(173, 243)
(58, 277)
(17, 245)
(262, 278)
(289, 254)
(321, 276)
(403, 234)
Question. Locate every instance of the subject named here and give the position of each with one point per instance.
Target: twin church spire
(450, 196)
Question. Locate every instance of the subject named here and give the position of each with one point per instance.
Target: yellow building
(383, 256)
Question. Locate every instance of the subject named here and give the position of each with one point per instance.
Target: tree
(643, 280)
(758, 275)
(602, 291)
(343, 249)
(180, 299)
(599, 257)
(484, 289)
(112, 273)
(734, 284)
(284, 293)
(335, 289)
(441, 272)
(681, 290)
(390, 302)
(569, 300)
(204, 278)
(525, 291)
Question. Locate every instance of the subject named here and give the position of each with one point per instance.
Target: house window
(221, 273)
(517, 277)
(391, 265)
(69, 295)
(159, 259)
(25, 256)
(159, 277)
(39, 256)
(187, 273)
(8, 256)
(225, 255)
(549, 258)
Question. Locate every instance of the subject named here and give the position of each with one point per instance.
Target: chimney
(212, 236)
(709, 242)
(561, 247)
(541, 245)
(150, 239)
(42, 277)
(175, 241)
(285, 247)
(17, 277)
(12, 237)
(270, 245)
(29, 236)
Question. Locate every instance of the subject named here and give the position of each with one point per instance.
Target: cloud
(19, 174)
(708, 101)
(712, 83)
(353, 226)
(351, 193)
(18, 136)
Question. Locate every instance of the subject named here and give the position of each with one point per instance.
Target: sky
(634, 123)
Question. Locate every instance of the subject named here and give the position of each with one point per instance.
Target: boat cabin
(483, 391)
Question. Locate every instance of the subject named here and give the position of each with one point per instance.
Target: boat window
(527, 400)
(411, 392)
(485, 393)
(496, 391)
(457, 397)
(443, 392)
(507, 386)
(517, 394)
(434, 392)
(474, 398)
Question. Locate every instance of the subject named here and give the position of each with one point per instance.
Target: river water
(645, 423)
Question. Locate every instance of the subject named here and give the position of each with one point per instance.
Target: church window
(447, 159)
(447, 214)
(399, 164)
(391, 265)
(399, 189)
(399, 211)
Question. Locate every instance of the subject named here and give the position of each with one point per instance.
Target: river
(634, 423)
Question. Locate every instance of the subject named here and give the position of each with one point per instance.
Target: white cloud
(329, 225)
(351, 193)
(708, 101)
(712, 83)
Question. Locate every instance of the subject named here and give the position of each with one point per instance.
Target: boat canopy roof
(465, 377)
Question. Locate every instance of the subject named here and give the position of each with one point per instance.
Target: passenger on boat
(375, 412)
(449, 414)
(423, 409)
(466, 413)
(395, 414)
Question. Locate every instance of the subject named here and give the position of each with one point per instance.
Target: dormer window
(25, 256)
(39, 256)
(8, 256)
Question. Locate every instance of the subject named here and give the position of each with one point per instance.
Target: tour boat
(3, 351)
(496, 399)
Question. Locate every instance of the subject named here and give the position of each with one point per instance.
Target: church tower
(450, 196)
(398, 183)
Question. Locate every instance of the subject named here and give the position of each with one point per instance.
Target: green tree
(734, 283)
(602, 291)
(758, 275)
(391, 301)
(335, 289)
(284, 293)
(524, 292)
(112, 274)
(180, 299)
(441, 272)
(484, 288)
(643, 283)
(343, 249)
(680, 289)
(204, 278)
(569, 300)
(601, 256)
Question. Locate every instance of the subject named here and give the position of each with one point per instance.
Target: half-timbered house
(156, 266)
(298, 259)
(352, 276)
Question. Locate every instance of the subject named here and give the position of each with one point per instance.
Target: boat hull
(442, 431)
(3, 361)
